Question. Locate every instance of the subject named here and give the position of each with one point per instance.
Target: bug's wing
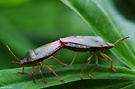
(96, 41)
(47, 50)
(89, 41)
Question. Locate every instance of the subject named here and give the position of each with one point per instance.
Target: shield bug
(92, 44)
(36, 56)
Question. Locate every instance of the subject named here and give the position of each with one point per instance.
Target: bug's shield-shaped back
(47, 50)
(89, 41)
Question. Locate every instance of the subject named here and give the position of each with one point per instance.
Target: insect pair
(92, 44)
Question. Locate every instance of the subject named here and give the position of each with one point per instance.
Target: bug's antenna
(119, 40)
(13, 53)
(15, 62)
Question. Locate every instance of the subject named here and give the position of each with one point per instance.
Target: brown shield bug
(92, 44)
(36, 56)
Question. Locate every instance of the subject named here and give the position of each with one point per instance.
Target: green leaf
(101, 23)
(11, 79)
(94, 84)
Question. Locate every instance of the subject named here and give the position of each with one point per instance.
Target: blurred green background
(28, 24)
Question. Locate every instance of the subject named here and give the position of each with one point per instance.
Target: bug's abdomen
(76, 47)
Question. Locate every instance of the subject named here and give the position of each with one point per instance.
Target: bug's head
(26, 58)
(120, 40)
(14, 61)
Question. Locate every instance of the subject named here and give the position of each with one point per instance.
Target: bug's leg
(107, 57)
(90, 73)
(21, 72)
(49, 68)
(40, 71)
(88, 61)
(74, 58)
(32, 73)
(63, 64)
